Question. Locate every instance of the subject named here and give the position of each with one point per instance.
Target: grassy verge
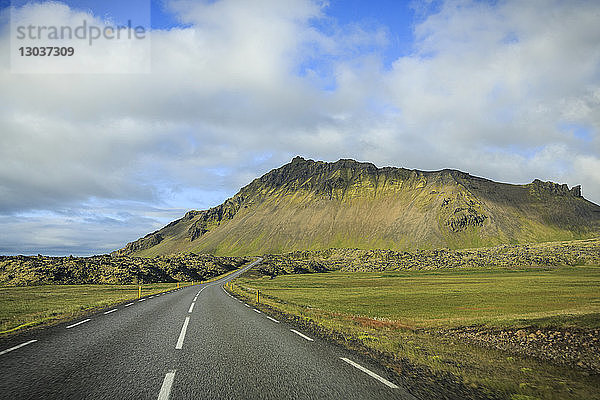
(394, 315)
(23, 307)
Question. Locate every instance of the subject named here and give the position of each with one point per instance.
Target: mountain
(314, 205)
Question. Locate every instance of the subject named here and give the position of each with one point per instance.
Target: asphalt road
(193, 343)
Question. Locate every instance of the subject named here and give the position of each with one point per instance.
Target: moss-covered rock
(571, 253)
(106, 269)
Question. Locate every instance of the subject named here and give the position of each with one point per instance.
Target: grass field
(448, 298)
(28, 306)
(395, 313)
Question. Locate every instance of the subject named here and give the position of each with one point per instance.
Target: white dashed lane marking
(165, 389)
(179, 344)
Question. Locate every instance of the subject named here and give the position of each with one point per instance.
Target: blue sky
(397, 18)
(508, 90)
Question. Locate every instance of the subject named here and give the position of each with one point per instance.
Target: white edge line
(79, 323)
(302, 335)
(110, 311)
(127, 305)
(370, 373)
(179, 344)
(165, 389)
(191, 307)
(17, 347)
(272, 319)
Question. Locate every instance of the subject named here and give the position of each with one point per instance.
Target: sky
(507, 90)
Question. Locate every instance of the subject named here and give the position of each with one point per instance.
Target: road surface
(197, 342)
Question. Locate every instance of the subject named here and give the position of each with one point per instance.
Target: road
(197, 342)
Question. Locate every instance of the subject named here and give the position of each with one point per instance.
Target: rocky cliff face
(312, 205)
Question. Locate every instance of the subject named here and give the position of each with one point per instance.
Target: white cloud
(489, 79)
(587, 169)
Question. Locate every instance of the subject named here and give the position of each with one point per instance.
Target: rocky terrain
(106, 269)
(575, 347)
(315, 205)
(572, 253)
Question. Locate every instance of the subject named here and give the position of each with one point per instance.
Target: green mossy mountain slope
(315, 205)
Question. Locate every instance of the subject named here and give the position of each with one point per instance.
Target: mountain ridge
(312, 205)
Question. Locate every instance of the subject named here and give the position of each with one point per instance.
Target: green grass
(448, 298)
(385, 311)
(27, 306)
